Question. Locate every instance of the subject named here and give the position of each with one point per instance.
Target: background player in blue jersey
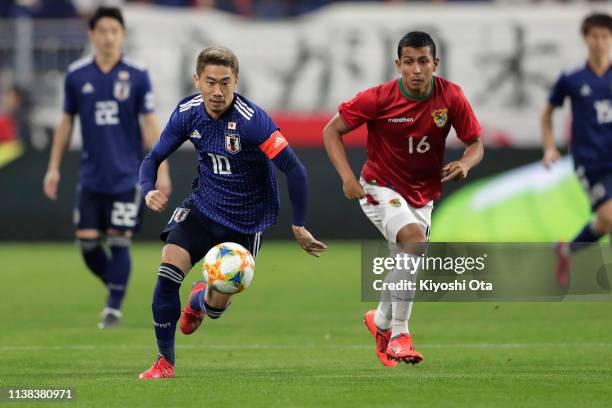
(110, 94)
(234, 198)
(590, 90)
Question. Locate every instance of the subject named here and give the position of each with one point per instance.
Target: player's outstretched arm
(332, 139)
(297, 183)
(459, 169)
(551, 153)
(151, 135)
(61, 138)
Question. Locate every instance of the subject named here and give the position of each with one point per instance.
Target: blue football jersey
(108, 106)
(236, 183)
(591, 97)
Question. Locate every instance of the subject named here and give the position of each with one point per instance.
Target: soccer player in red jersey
(408, 120)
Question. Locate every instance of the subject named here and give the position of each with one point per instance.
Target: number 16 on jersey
(421, 147)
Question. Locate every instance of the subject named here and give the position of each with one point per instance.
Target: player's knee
(603, 221)
(176, 255)
(411, 239)
(604, 225)
(116, 233)
(411, 234)
(88, 234)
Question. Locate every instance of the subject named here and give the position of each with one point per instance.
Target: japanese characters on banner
(505, 59)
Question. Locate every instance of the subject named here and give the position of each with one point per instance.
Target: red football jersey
(406, 135)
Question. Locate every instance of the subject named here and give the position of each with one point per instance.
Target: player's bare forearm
(473, 154)
(459, 169)
(332, 139)
(307, 241)
(164, 183)
(61, 138)
(151, 129)
(551, 153)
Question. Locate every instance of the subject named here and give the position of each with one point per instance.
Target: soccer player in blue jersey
(234, 198)
(589, 88)
(110, 94)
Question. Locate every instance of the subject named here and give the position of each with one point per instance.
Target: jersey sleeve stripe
(241, 110)
(274, 145)
(244, 105)
(189, 106)
(191, 102)
(80, 63)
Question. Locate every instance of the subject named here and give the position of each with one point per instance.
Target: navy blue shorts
(197, 234)
(101, 211)
(598, 186)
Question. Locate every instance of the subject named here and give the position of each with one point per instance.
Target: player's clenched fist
(352, 189)
(156, 200)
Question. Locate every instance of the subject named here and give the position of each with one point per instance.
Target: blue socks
(114, 270)
(198, 303)
(94, 256)
(119, 267)
(167, 308)
(587, 235)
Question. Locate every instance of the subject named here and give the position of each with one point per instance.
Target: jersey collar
(416, 97)
(119, 62)
(592, 71)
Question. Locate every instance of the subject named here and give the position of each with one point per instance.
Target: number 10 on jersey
(220, 164)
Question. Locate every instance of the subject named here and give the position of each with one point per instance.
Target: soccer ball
(228, 268)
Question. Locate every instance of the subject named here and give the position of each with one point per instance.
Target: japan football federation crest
(121, 91)
(123, 75)
(440, 116)
(232, 143)
(180, 214)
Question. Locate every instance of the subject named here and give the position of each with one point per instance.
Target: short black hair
(596, 20)
(416, 39)
(101, 12)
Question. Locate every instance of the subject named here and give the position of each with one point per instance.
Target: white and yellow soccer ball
(228, 268)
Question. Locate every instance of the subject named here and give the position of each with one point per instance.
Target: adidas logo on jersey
(195, 135)
(585, 90)
(278, 141)
(88, 88)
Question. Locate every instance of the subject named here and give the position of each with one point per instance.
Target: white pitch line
(238, 347)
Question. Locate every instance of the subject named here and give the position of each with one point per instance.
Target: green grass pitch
(294, 339)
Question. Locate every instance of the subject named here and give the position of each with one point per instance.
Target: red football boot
(192, 319)
(401, 349)
(160, 369)
(564, 263)
(381, 338)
